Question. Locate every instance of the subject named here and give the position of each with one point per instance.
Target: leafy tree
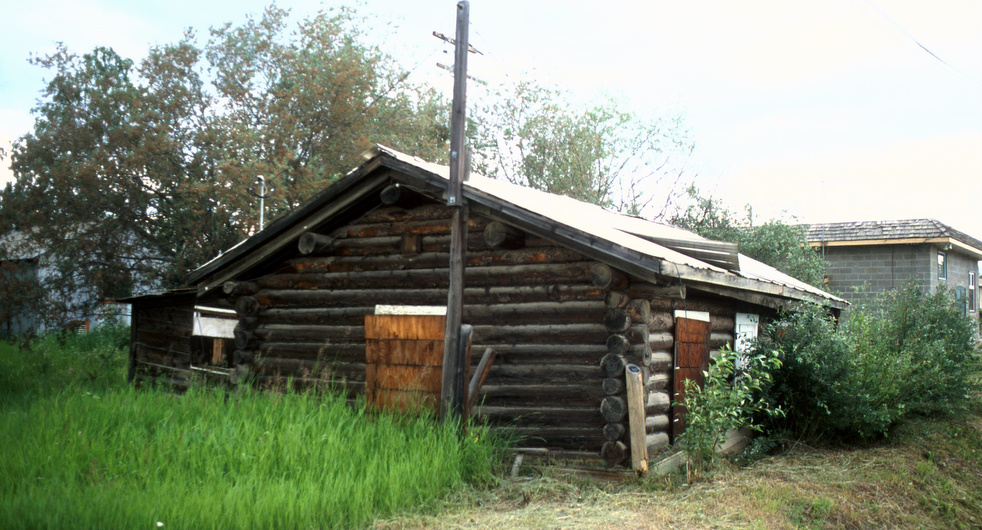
(136, 173)
(534, 136)
(781, 245)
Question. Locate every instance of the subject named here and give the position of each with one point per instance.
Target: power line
(922, 46)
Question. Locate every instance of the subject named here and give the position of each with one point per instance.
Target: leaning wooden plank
(636, 418)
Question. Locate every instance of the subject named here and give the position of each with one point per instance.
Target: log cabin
(596, 319)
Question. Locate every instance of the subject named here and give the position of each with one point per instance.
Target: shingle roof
(905, 229)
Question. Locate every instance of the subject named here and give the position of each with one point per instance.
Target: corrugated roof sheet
(612, 226)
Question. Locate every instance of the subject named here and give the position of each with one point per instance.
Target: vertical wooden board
(408, 352)
(406, 400)
(409, 378)
(413, 327)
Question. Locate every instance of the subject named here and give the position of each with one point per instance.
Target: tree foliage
(781, 245)
(535, 136)
(137, 172)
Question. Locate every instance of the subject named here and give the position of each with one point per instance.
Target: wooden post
(451, 395)
(636, 417)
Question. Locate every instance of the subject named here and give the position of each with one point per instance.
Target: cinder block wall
(858, 273)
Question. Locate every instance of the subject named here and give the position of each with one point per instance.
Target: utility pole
(452, 397)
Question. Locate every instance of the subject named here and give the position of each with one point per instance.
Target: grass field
(81, 449)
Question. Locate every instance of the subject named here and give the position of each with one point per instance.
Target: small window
(942, 266)
(972, 296)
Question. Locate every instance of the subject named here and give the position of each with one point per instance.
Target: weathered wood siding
(160, 340)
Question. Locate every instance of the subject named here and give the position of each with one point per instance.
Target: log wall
(160, 341)
(564, 327)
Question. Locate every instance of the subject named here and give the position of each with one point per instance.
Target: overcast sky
(830, 110)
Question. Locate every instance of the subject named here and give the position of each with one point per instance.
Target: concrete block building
(867, 258)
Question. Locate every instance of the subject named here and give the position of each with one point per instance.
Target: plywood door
(691, 360)
(404, 361)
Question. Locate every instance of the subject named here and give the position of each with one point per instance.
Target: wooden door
(691, 360)
(404, 361)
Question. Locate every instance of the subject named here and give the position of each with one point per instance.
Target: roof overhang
(631, 253)
(945, 241)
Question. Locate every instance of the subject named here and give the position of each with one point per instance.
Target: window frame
(942, 265)
(973, 299)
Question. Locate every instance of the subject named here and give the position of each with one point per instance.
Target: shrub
(729, 399)
(910, 353)
(930, 344)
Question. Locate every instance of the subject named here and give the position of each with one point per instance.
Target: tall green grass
(78, 451)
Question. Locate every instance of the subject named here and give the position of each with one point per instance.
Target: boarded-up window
(691, 360)
(404, 361)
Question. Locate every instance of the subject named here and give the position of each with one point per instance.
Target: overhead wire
(922, 46)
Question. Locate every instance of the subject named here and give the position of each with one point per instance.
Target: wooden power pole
(452, 396)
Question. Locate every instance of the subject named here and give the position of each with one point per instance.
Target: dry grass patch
(927, 475)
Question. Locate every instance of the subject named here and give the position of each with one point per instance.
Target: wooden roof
(906, 231)
(648, 250)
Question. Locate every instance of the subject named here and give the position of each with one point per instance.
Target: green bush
(729, 399)
(910, 352)
(929, 344)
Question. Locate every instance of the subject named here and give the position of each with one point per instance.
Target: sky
(839, 110)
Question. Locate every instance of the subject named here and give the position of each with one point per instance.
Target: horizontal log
(310, 243)
(325, 351)
(239, 288)
(661, 341)
(408, 296)
(429, 260)
(617, 344)
(606, 277)
(656, 441)
(579, 438)
(661, 321)
(657, 403)
(613, 409)
(656, 423)
(660, 361)
(616, 320)
(512, 353)
(612, 385)
(390, 194)
(657, 381)
(614, 453)
(614, 431)
(722, 323)
(550, 333)
(243, 338)
(519, 393)
(613, 365)
(617, 299)
(300, 367)
(529, 416)
(650, 292)
(718, 340)
(308, 332)
(391, 214)
(480, 276)
(317, 315)
(538, 374)
(243, 357)
(247, 306)
(498, 234)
